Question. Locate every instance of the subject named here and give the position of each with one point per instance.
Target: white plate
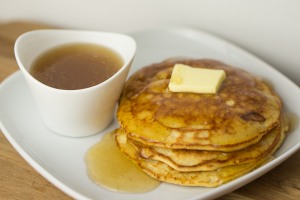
(60, 159)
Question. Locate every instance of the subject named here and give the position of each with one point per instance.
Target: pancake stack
(198, 139)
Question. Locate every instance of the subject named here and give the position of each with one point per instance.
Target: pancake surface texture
(237, 116)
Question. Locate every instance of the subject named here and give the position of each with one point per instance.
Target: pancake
(201, 160)
(163, 172)
(239, 115)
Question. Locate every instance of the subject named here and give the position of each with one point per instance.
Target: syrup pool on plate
(108, 167)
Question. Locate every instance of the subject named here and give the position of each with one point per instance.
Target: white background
(269, 29)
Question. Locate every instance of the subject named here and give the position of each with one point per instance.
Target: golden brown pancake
(163, 172)
(239, 115)
(201, 160)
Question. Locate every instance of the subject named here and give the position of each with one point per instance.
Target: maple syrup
(108, 167)
(76, 66)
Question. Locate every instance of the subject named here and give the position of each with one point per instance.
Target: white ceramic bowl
(82, 112)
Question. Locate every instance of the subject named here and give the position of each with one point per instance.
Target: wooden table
(18, 180)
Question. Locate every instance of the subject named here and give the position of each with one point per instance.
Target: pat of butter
(196, 80)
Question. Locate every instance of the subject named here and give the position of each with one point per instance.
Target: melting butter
(107, 166)
(197, 80)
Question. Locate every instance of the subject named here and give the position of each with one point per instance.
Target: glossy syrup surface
(108, 167)
(76, 66)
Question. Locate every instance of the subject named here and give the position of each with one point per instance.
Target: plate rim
(26, 156)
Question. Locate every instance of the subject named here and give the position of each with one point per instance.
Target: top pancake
(243, 110)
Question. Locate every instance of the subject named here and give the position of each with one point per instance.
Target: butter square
(196, 80)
